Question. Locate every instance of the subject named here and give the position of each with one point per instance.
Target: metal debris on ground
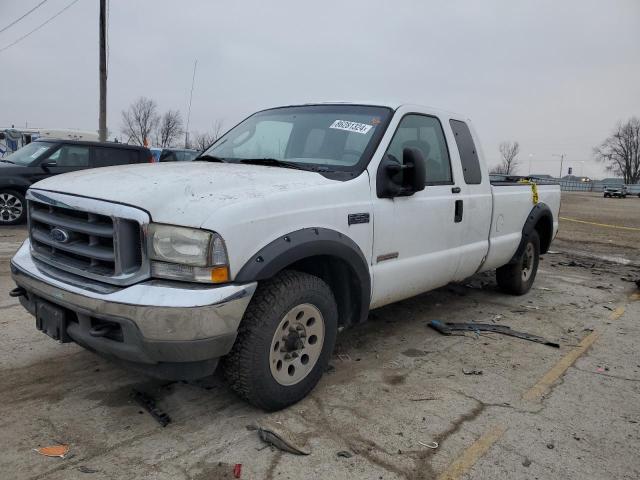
(344, 454)
(53, 451)
(84, 469)
(472, 371)
(280, 438)
(149, 404)
(446, 328)
(432, 445)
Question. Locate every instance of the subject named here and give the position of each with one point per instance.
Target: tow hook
(17, 292)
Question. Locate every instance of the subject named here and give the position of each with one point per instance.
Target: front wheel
(517, 278)
(284, 342)
(13, 207)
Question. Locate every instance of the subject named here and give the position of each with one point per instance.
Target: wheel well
(544, 227)
(342, 280)
(16, 188)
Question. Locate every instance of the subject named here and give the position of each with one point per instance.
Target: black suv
(44, 158)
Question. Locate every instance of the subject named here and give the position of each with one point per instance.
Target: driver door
(67, 158)
(416, 237)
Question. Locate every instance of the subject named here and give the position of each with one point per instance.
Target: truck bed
(512, 202)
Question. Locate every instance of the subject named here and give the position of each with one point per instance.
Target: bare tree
(620, 152)
(140, 120)
(201, 141)
(169, 129)
(509, 163)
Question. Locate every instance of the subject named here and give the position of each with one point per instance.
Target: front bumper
(168, 329)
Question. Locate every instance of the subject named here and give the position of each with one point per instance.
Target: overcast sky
(554, 75)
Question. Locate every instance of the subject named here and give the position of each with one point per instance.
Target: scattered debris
(423, 399)
(344, 454)
(280, 438)
(602, 369)
(84, 469)
(432, 445)
(471, 371)
(149, 404)
(573, 263)
(330, 369)
(526, 462)
(344, 357)
(414, 352)
(447, 328)
(544, 288)
(237, 470)
(550, 446)
(53, 451)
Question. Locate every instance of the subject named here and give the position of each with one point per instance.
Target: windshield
(29, 153)
(333, 137)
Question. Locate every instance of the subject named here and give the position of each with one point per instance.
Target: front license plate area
(52, 320)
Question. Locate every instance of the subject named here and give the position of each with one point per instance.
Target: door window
(468, 154)
(424, 133)
(105, 157)
(71, 156)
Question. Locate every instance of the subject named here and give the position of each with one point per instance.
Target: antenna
(193, 81)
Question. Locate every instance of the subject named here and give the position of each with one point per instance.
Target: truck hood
(183, 193)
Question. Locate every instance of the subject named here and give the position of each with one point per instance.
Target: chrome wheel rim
(10, 207)
(296, 344)
(527, 263)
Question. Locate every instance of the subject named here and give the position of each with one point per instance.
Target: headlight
(189, 254)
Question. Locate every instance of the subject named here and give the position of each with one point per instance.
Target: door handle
(455, 190)
(458, 213)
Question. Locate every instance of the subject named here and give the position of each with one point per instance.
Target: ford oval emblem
(60, 235)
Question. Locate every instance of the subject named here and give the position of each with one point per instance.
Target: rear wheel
(12, 207)
(284, 342)
(517, 278)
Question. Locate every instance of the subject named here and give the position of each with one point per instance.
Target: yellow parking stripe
(634, 229)
(472, 454)
(539, 389)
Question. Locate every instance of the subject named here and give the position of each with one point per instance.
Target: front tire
(284, 342)
(517, 278)
(13, 207)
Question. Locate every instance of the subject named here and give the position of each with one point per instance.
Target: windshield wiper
(7, 161)
(274, 162)
(210, 158)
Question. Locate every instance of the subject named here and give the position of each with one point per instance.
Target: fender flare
(539, 212)
(305, 243)
(14, 183)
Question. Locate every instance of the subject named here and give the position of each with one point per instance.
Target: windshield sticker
(362, 128)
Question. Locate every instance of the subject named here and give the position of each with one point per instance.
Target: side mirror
(395, 179)
(49, 163)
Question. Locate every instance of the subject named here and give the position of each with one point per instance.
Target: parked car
(173, 154)
(45, 158)
(293, 225)
(619, 191)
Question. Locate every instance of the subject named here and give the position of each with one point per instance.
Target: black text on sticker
(351, 126)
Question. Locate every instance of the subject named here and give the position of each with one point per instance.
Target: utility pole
(193, 81)
(561, 160)
(102, 117)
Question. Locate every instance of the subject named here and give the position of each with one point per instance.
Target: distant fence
(567, 185)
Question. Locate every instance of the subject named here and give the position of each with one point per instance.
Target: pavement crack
(617, 377)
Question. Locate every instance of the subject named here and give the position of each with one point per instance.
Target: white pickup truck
(292, 225)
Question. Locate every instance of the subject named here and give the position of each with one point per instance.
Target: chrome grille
(92, 244)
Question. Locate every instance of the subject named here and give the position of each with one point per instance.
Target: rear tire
(13, 207)
(284, 341)
(517, 278)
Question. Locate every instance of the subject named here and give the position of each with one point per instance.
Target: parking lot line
(635, 229)
(536, 392)
(471, 455)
